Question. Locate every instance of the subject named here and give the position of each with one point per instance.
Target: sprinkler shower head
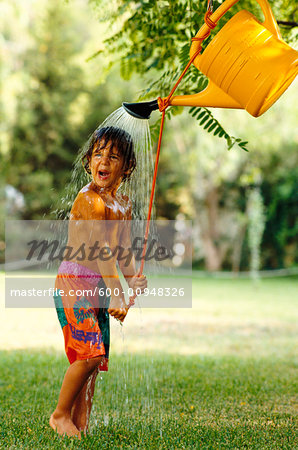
(140, 110)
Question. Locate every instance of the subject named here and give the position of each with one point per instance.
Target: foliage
(43, 138)
(2, 214)
(154, 36)
(157, 33)
(281, 197)
(58, 104)
(211, 124)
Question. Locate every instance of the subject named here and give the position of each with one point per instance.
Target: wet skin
(97, 215)
(96, 203)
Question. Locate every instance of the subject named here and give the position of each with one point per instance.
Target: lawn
(219, 375)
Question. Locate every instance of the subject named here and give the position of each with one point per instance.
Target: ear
(86, 164)
(128, 172)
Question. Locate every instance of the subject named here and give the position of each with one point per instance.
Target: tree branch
(287, 24)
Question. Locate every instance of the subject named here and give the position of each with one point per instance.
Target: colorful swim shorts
(82, 313)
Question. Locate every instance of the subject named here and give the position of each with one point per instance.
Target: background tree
(58, 105)
(44, 139)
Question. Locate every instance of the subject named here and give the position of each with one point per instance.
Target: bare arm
(127, 263)
(107, 263)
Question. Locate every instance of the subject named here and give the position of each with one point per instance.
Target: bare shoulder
(88, 205)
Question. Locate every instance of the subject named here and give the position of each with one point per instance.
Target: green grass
(219, 376)
(155, 402)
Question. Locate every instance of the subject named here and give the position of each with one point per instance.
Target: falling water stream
(138, 189)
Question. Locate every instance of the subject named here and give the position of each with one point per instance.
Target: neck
(112, 191)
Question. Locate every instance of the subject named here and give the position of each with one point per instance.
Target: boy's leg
(73, 382)
(81, 409)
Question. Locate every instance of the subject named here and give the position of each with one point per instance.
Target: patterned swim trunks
(82, 313)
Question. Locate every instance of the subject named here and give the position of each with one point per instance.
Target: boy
(110, 160)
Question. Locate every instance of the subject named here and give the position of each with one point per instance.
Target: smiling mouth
(103, 174)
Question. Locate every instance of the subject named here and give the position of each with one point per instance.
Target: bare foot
(64, 426)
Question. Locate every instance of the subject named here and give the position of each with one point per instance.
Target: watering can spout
(140, 110)
(211, 97)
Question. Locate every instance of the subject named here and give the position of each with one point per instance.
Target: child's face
(106, 166)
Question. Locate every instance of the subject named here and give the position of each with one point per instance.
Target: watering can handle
(269, 22)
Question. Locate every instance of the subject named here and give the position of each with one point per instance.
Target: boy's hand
(138, 283)
(118, 309)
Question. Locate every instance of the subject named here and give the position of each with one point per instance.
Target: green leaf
(202, 114)
(204, 119)
(94, 55)
(212, 127)
(197, 112)
(208, 124)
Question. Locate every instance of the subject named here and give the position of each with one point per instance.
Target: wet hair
(119, 139)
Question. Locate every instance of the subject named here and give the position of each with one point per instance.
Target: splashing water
(138, 187)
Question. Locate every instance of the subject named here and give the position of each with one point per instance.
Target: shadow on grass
(154, 401)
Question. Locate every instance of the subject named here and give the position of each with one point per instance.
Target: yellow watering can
(248, 64)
